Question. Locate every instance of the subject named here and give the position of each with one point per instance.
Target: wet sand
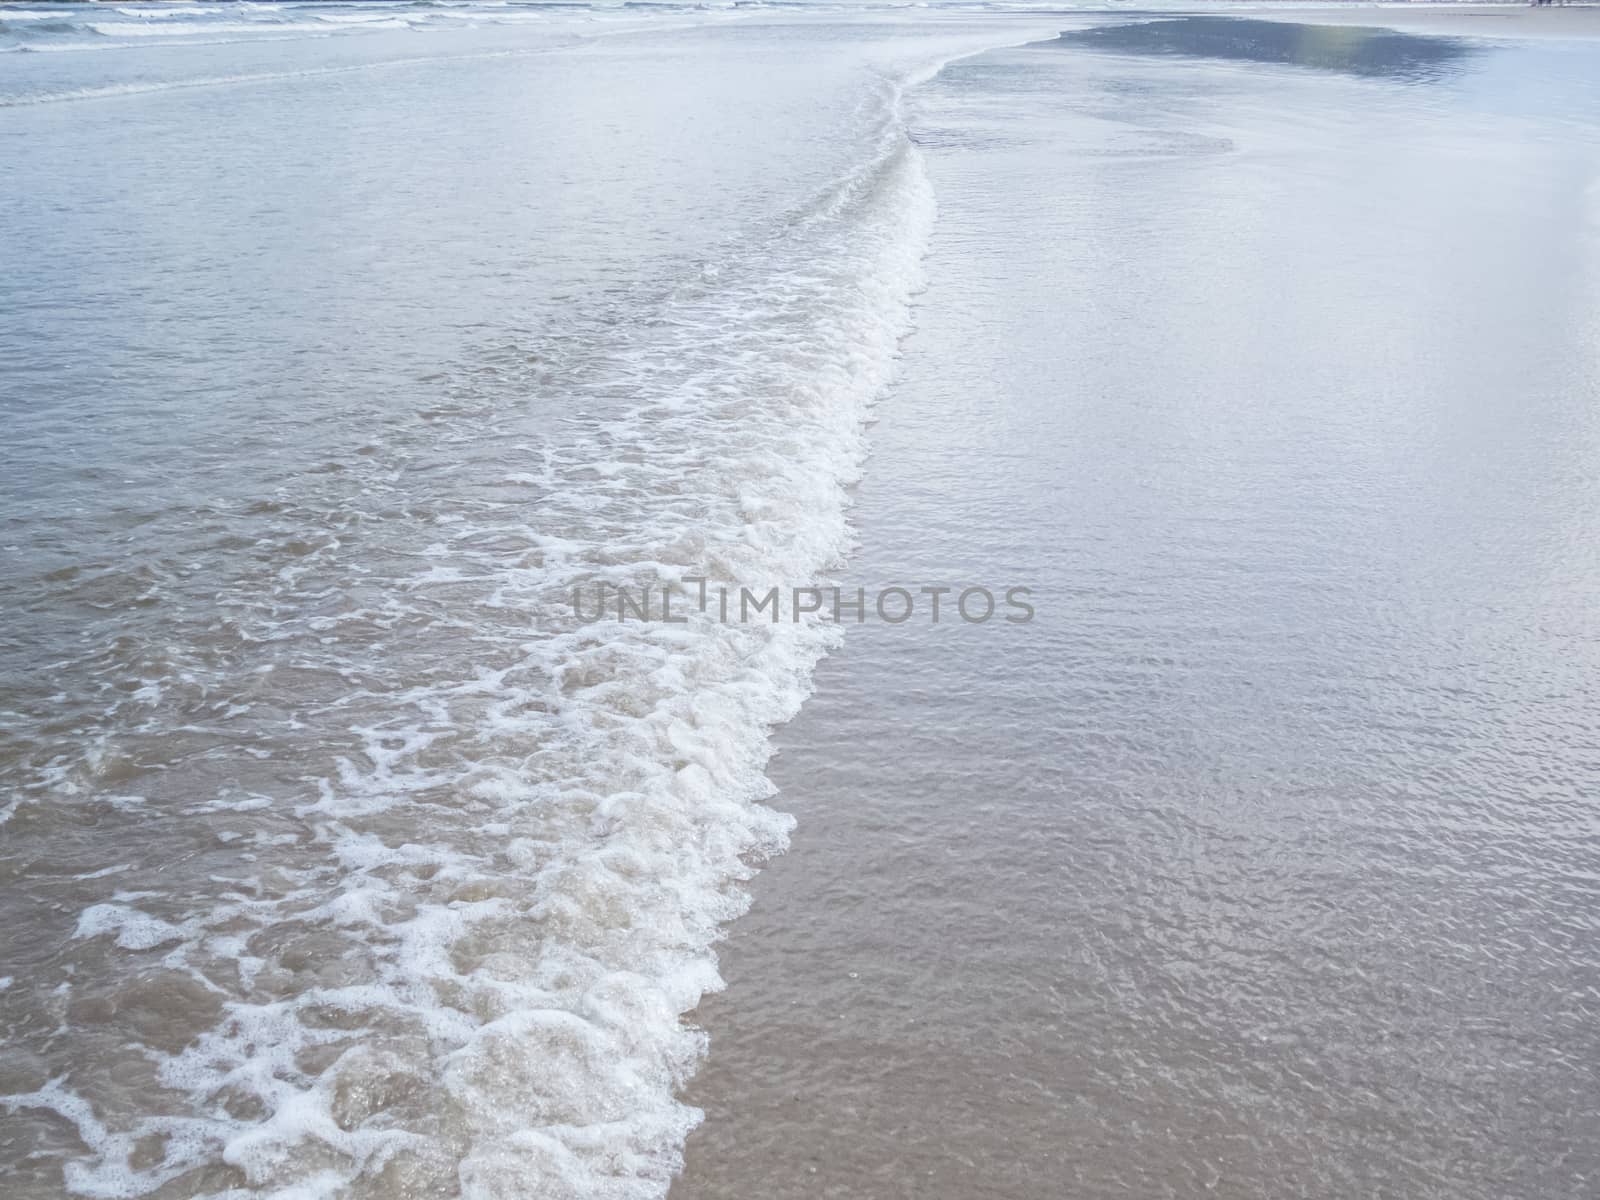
(1261, 864)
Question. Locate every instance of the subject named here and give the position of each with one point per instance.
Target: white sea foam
(134, 930)
(140, 29)
(181, 13)
(470, 974)
(365, 20)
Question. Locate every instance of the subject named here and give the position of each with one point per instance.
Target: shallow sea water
(1265, 861)
(342, 857)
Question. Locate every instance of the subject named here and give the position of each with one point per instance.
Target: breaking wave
(464, 952)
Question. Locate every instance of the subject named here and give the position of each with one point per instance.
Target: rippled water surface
(341, 857)
(1266, 861)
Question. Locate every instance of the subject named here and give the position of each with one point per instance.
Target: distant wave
(111, 91)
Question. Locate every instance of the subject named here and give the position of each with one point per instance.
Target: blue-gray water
(1266, 861)
(342, 858)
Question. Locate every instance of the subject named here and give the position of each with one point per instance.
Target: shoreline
(1077, 931)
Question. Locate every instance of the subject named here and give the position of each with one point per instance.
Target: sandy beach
(1226, 876)
(388, 813)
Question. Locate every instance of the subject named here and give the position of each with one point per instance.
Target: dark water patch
(1357, 50)
(22, 28)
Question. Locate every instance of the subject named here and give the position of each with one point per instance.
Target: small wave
(98, 43)
(112, 91)
(378, 20)
(124, 29)
(168, 14)
(468, 969)
(40, 27)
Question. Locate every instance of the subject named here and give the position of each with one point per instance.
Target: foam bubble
(135, 930)
(465, 964)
